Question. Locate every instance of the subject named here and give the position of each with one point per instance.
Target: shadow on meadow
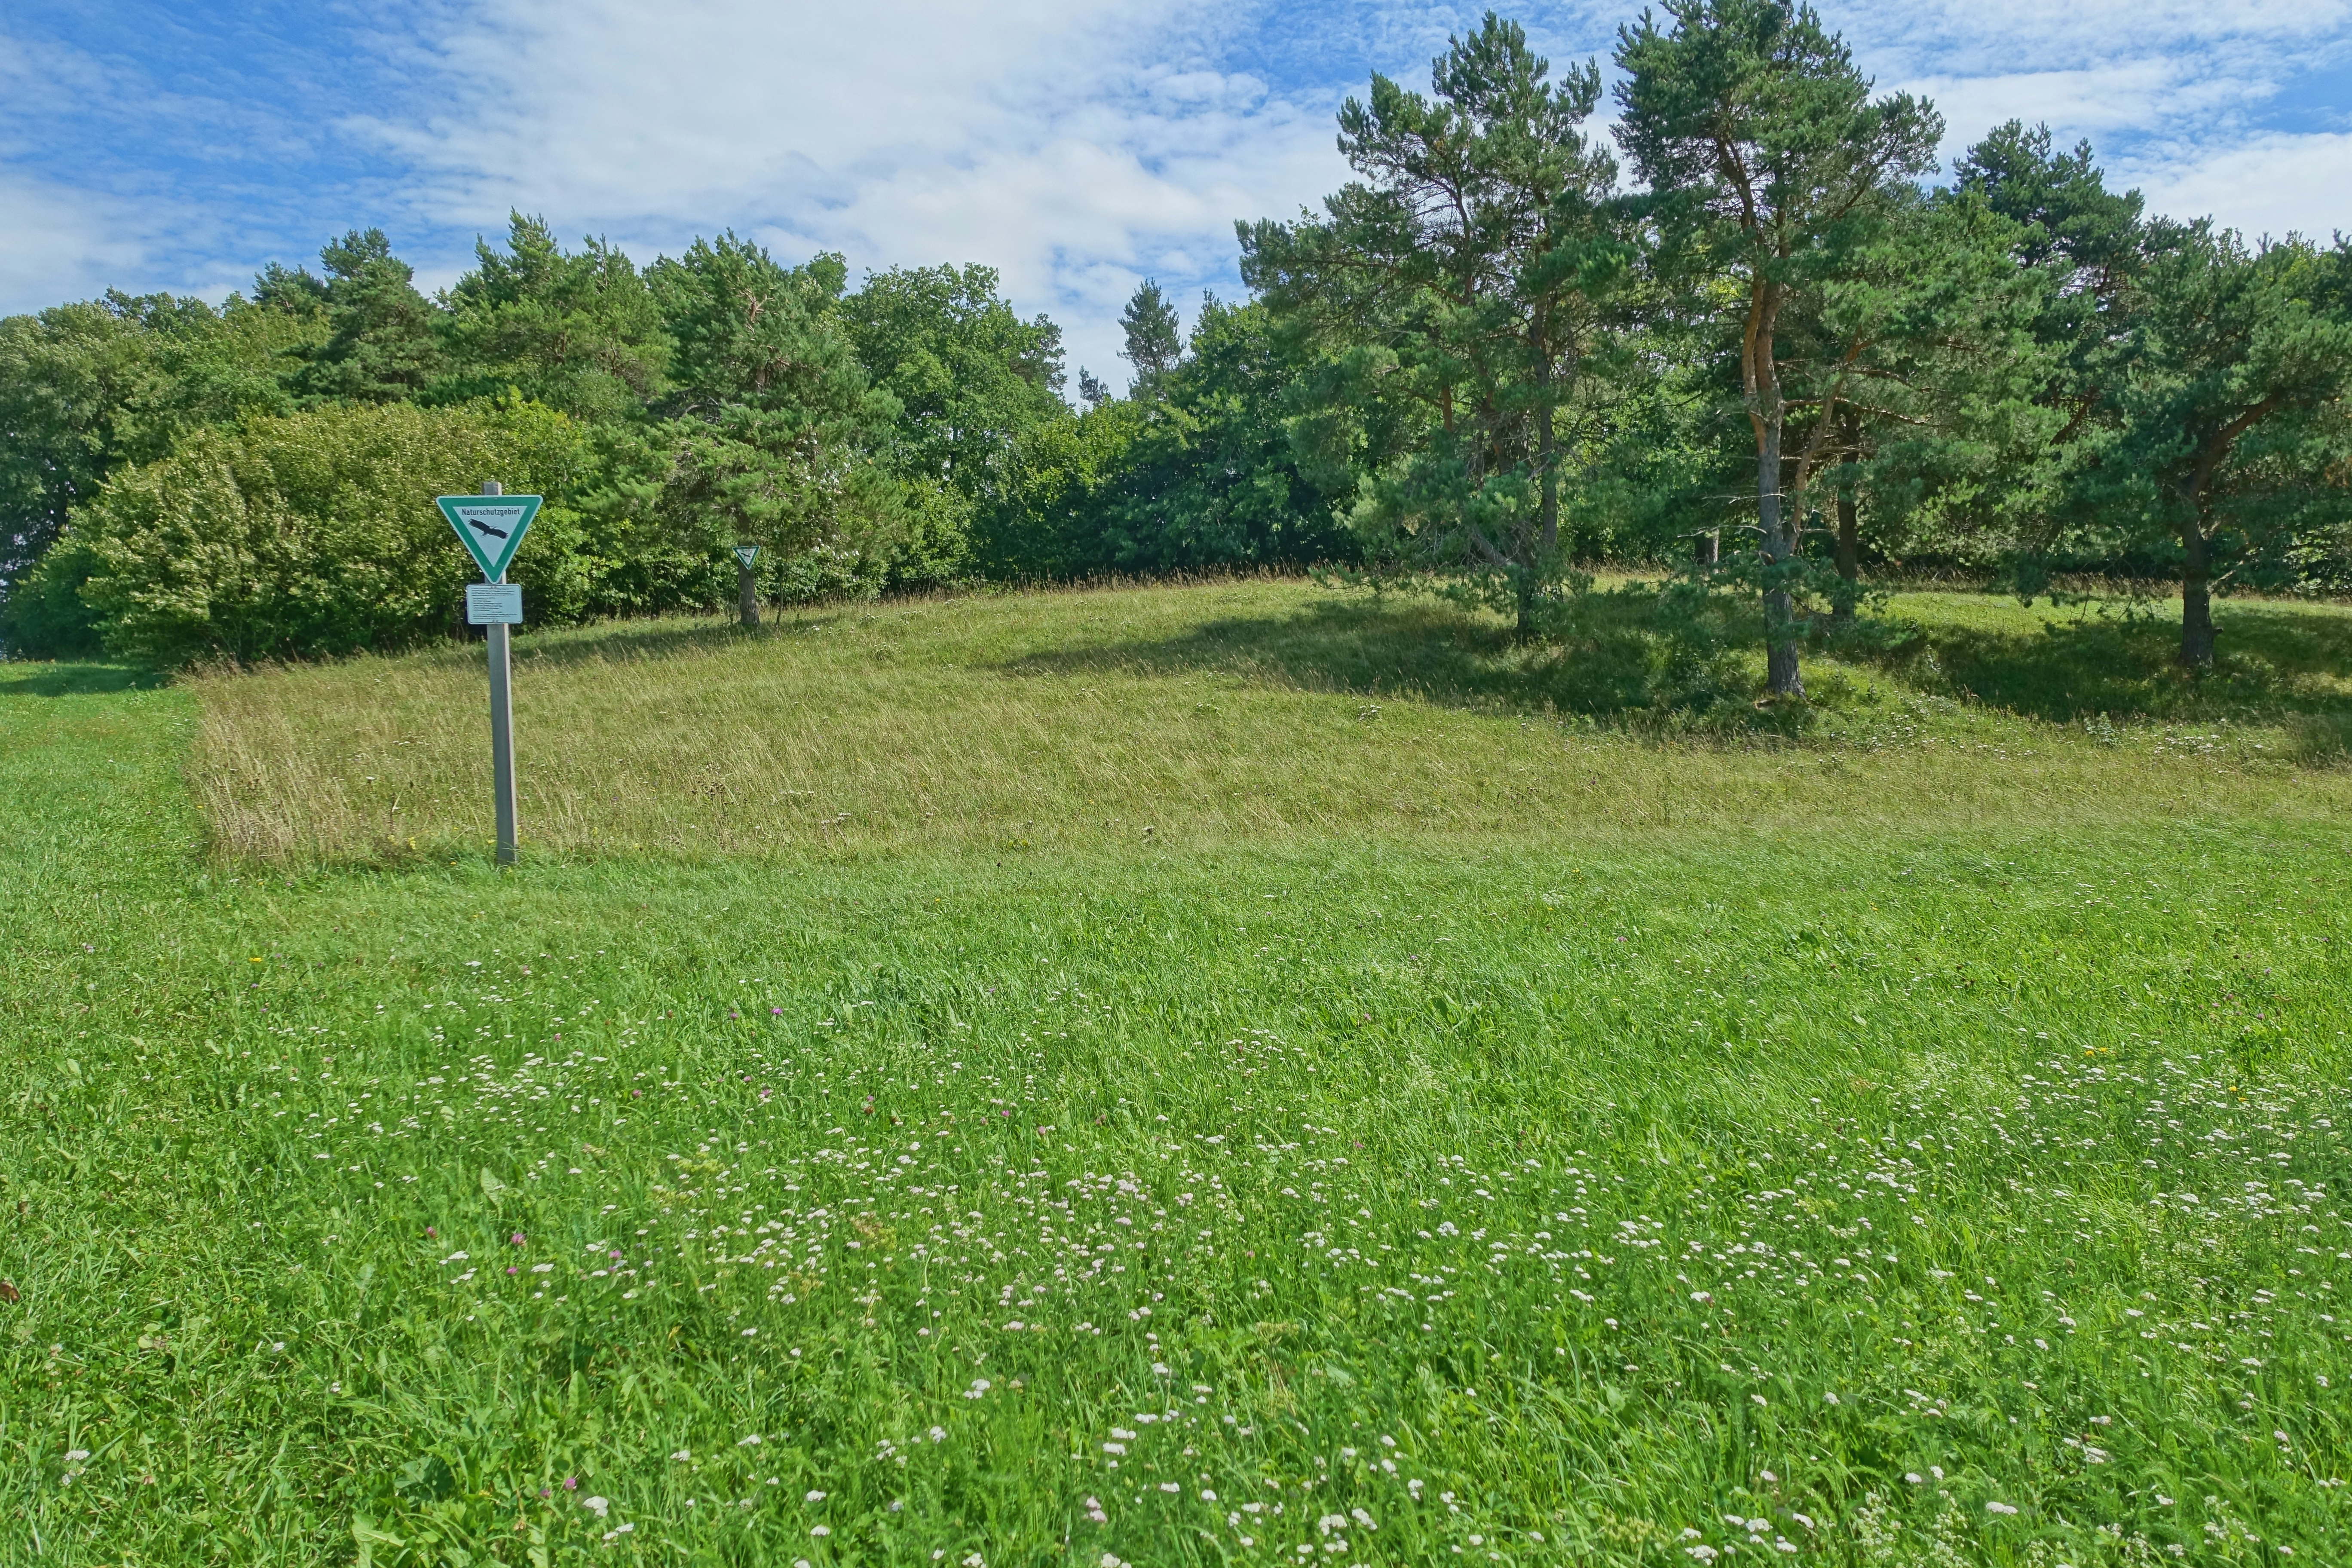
(2278, 663)
(1677, 664)
(1617, 655)
(652, 639)
(44, 679)
(665, 636)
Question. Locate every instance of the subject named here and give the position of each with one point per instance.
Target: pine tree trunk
(747, 587)
(1849, 555)
(1782, 674)
(1547, 454)
(2196, 600)
(1548, 540)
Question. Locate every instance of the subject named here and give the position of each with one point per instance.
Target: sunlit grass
(1927, 1148)
(1203, 716)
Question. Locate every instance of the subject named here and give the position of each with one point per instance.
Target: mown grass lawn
(1920, 1139)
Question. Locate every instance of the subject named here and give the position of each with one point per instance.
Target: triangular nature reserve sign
(747, 553)
(492, 527)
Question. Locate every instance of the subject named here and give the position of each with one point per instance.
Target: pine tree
(1775, 175)
(1457, 303)
(382, 343)
(1155, 338)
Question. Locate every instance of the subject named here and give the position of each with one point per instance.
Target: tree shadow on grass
(664, 636)
(1660, 667)
(44, 679)
(2274, 662)
(653, 638)
(1619, 657)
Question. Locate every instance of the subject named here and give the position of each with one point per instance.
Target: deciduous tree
(968, 374)
(90, 387)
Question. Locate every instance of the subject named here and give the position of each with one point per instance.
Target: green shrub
(1047, 519)
(316, 534)
(45, 616)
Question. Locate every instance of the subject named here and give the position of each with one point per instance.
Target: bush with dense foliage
(316, 532)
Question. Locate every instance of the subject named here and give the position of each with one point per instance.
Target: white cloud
(1978, 37)
(2192, 67)
(57, 242)
(1074, 144)
(63, 243)
(1077, 145)
(2171, 93)
(2270, 186)
(2130, 96)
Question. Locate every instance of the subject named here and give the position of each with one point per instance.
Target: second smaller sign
(494, 604)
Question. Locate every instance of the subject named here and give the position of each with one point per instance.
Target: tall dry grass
(1135, 716)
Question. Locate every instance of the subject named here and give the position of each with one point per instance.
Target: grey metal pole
(502, 779)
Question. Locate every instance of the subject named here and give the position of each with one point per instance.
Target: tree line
(1747, 335)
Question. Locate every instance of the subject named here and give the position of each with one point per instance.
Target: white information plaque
(494, 604)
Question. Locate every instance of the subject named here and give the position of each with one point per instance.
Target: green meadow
(1236, 1074)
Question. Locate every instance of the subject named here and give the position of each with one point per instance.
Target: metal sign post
(502, 789)
(492, 525)
(746, 586)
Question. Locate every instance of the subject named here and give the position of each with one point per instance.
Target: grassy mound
(1247, 713)
(1465, 1121)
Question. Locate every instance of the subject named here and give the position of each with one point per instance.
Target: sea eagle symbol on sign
(492, 527)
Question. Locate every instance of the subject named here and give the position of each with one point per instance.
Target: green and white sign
(747, 553)
(491, 526)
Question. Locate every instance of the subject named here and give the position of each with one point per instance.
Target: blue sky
(1077, 145)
